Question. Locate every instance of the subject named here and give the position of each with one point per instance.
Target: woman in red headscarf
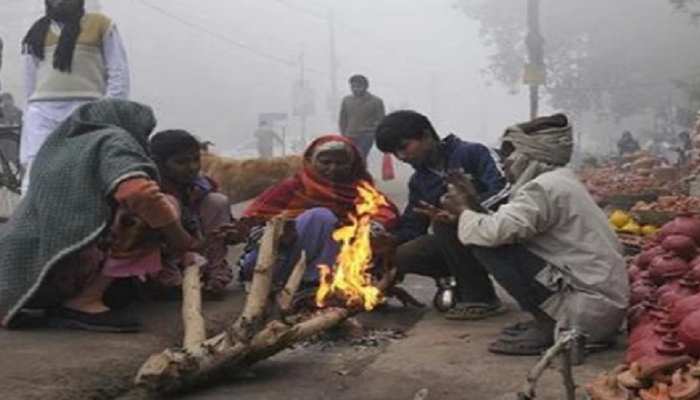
(319, 198)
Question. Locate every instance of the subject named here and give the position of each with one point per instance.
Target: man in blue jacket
(412, 139)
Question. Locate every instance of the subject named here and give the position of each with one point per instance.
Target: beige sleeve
(525, 216)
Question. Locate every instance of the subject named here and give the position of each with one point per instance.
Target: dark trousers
(440, 255)
(515, 268)
(363, 143)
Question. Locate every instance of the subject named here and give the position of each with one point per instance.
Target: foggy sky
(192, 61)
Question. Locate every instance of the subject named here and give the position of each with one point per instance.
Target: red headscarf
(307, 189)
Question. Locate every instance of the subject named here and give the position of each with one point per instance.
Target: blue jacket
(428, 185)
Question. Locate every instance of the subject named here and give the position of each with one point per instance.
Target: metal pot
(445, 298)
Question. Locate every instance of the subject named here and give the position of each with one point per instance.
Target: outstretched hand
(235, 232)
(436, 214)
(461, 194)
(384, 243)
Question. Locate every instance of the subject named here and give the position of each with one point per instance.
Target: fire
(349, 280)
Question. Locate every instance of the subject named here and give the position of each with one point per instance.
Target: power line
(217, 35)
(378, 47)
(303, 10)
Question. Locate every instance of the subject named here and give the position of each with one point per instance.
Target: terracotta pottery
(665, 267)
(633, 272)
(643, 260)
(694, 269)
(657, 392)
(664, 350)
(689, 333)
(694, 262)
(606, 387)
(686, 287)
(635, 314)
(684, 386)
(641, 290)
(682, 308)
(681, 245)
(642, 348)
(687, 225)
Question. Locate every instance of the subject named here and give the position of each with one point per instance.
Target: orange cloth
(307, 190)
(144, 198)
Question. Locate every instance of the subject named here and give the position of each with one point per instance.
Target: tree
(691, 7)
(616, 58)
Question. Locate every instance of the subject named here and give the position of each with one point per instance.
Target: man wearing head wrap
(70, 57)
(550, 247)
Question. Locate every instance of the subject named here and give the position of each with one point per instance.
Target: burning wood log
(251, 337)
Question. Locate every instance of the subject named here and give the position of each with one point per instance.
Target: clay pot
(694, 269)
(633, 273)
(686, 225)
(683, 307)
(606, 387)
(641, 290)
(686, 287)
(670, 346)
(667, 287)
(694, 262)
(689, 333)
(666, 267)
(684, 386)
(642, 348)
(682, 246)
(665, 327)
(643, 260)
(657, 392)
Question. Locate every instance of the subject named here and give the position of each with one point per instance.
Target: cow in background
(243, 180)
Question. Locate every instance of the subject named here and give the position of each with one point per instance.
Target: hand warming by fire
(349, 280)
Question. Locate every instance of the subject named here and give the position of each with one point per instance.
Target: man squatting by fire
(550, 247)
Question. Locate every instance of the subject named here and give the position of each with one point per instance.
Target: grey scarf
(538, 152)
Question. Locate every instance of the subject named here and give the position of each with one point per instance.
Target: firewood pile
(265, 327)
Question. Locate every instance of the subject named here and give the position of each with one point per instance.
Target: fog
(211, 66)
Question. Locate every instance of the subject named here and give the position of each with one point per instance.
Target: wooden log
(193, 321)
(252, 317)
(562, 350)
(243, 344)
(286, 296)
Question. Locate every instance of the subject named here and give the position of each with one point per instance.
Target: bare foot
(93, 307)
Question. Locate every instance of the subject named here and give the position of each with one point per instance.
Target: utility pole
(535, 72)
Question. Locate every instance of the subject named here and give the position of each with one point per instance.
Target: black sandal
(107, 321)
(529, 342)
(517, 328)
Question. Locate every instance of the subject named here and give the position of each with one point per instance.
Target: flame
(349, 279)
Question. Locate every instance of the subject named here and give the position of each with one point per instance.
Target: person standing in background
(360, 114)
(70, 58)
(627, 144)
(266, 137)
(9, 113)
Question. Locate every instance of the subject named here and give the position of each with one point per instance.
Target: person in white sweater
(70, 58)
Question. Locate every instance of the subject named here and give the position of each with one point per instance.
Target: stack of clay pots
(663, 320)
